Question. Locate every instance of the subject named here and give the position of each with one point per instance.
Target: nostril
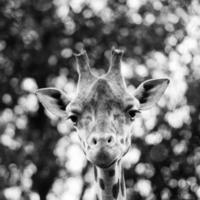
(94, 141)
(122, 141)
(110, 139)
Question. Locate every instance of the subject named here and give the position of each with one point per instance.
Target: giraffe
(102, 113)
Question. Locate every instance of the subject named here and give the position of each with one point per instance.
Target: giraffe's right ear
(54, 100)
(149, 92)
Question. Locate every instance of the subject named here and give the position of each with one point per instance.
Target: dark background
(37, 41)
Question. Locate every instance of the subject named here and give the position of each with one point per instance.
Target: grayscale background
(40, 158)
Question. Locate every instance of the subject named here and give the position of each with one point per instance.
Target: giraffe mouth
(107, 165)
(103, 158)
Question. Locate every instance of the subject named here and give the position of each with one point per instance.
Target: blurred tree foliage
(37, 41)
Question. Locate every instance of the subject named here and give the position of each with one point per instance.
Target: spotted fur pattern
(110, 183)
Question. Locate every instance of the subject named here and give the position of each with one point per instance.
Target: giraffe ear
(149, 92)
(53, 100)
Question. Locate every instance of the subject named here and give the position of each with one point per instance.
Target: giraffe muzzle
(103, 157)
(103, 150)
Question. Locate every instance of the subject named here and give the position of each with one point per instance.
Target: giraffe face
(103, 110)
(104, 119)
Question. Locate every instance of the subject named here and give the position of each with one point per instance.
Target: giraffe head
(103, 111)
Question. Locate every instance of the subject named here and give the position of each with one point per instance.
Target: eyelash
(132, 114)
(74, 119)
(74, 116)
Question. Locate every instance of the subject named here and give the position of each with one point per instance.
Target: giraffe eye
(74, 119)
(132, 113)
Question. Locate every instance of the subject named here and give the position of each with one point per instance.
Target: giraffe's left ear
(149, 92)
(54, 100)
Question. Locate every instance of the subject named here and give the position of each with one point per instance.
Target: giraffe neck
(110, 183)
